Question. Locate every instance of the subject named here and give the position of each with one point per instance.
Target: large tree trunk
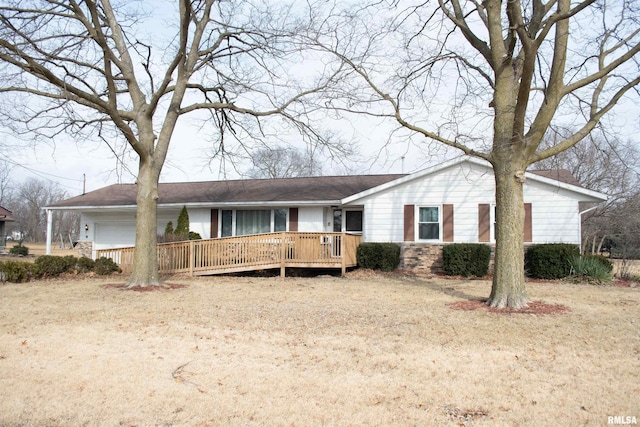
(145, 260)
(508, 279)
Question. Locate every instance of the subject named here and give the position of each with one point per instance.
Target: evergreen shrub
(85, 265)
(378, 256)
(52, 266)
(550, 261)
(15, 271)
(104, 266)
(19, 250)
(182, 227)
(466, 259)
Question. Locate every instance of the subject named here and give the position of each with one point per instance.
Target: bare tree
(283, 162)
(6, 183)
(93, 68)
(608, 165)
(26, 204)
(490, 78)
(603, 164)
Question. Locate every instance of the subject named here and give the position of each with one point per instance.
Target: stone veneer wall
(85, 249)
(426, 258)
(421, 258)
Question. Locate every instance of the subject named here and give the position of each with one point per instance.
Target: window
(227, 223)
(353, 221)
(429, 223)
(253, 222)
(279, 220)
(337, 221)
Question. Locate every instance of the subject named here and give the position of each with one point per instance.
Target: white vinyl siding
(555, 216)
(115, 235)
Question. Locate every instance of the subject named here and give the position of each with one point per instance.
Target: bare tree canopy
(26, 202)
(613, 167)
(491, 79)
(283, 162)
(127, 71)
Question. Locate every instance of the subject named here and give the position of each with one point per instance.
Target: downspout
(49, 225)
(580, 224)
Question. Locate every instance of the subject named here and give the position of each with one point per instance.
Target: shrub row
(47, 266)
(544, 261)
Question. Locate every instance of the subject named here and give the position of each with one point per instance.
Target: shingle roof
(5, 214)
(561, 175)
(311, 189)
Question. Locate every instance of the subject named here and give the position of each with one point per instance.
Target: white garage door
(115, 235)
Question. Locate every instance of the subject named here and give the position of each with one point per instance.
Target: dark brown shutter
(447, 223)
(214, 224)
(409, 223)
(293, 219)
(528, 229)
(484, 222)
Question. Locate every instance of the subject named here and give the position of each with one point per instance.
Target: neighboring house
(5, 216)
(451, 202)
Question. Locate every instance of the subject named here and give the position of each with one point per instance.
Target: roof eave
(284, 203)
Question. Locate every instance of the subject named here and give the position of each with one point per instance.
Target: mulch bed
(537, 308)
(163, 287)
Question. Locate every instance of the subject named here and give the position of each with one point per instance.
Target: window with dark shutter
(447, 223)
(528, 226)
(484, 222)
(214, 224)
(409, 224)
(293, 219)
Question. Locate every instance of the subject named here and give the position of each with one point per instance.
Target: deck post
(343, 258)
(283, 253)
(192, 257)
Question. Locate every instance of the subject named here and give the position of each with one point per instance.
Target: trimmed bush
(85, 265)
(53, 266)
(378, 256)
(466, 259)
(550, 261)
(16, 271)
(104, 266)
(194, 236)
(19, 250)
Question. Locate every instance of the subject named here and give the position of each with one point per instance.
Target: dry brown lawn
(365, 350)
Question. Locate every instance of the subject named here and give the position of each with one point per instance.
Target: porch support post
(343, 257)
(283, 253)
(49, 227)
(192, 257)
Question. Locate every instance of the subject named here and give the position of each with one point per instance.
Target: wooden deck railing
(245, 253)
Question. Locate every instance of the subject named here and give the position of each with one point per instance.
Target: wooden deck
(248, 253)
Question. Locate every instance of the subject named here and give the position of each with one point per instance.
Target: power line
(42, 174)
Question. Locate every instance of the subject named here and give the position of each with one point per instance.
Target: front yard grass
(374, 350)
